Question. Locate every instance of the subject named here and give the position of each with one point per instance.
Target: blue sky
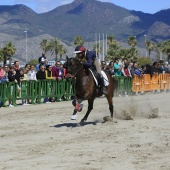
(40, 6)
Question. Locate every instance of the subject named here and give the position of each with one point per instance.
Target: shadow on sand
(74, 124)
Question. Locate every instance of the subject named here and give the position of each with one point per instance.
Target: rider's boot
(102, 85)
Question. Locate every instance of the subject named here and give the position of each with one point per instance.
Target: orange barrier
(137, 84)
(146, 83)
(164, 81)
(155, 82)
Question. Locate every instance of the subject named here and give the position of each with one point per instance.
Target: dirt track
(42, 136)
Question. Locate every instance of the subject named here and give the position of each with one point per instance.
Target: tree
(61, 51)
(1, 55)
(159, 49)
(78, 41)
(144, 61)
(113, 50)
(149, 46)
(166, 48)
(132, 41)
(110, 39)
(54, 47)
(8, 51)
(33, 62)
(45, 45)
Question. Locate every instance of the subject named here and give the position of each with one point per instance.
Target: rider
(89, 59)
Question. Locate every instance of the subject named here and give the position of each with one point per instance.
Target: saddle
(96, 75)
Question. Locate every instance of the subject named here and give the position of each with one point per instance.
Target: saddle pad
(106, 81)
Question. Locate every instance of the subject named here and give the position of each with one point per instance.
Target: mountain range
(80, 18)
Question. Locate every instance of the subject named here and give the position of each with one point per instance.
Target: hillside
(83, 18)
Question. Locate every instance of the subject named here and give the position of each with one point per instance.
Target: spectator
(155, 68)
(48, 73)
(160, 68)
(57, 71)
(126, 70)
(26, 71)
(2, 75)
(103, 65)
(117, 67)
(40, 75)
(42, 58)
(17, 69)
(110, 68)
(32, 73)
(12, 78)
(6, 69)
(134, 70)
(124, 61)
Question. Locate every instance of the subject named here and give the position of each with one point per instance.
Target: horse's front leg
(75, 103)
(74, 116)
(90, 108)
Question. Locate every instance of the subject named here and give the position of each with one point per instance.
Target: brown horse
(86, 88)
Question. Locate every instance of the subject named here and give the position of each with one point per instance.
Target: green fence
(36, 91)
(124, 85)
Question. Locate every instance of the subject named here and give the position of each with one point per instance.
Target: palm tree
(132, 41)
(1, 55)
(159, 49)
(78, 41)
(54, 47)
(149, 46)
(45, 45)
(132, 54)
(113, 50)
(110, 39)
(62, 51)
(8, 51)
(166, 48)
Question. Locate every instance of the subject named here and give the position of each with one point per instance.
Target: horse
(86, 88)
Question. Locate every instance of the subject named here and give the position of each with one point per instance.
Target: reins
(78, 70)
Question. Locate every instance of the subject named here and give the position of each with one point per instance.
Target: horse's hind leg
(90, 108)
(111, 107)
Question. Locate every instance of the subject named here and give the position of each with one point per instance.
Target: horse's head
(72, 65)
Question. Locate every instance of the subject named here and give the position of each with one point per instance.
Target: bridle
(78, 70)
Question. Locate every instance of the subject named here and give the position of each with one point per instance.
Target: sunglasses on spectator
(42, 68)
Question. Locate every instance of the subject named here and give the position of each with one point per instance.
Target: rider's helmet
(79, 49)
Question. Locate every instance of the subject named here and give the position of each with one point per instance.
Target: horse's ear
(67, 57)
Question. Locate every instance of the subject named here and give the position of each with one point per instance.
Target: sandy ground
(42, 137)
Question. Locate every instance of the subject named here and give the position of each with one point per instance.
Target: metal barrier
(124, 85)
(146, 83)
(36, 91)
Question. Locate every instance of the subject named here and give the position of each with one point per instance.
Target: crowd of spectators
(125, 68)
(42, 71)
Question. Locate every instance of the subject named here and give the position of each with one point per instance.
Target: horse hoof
(82, 121)
(73, 117)
(108, 119)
